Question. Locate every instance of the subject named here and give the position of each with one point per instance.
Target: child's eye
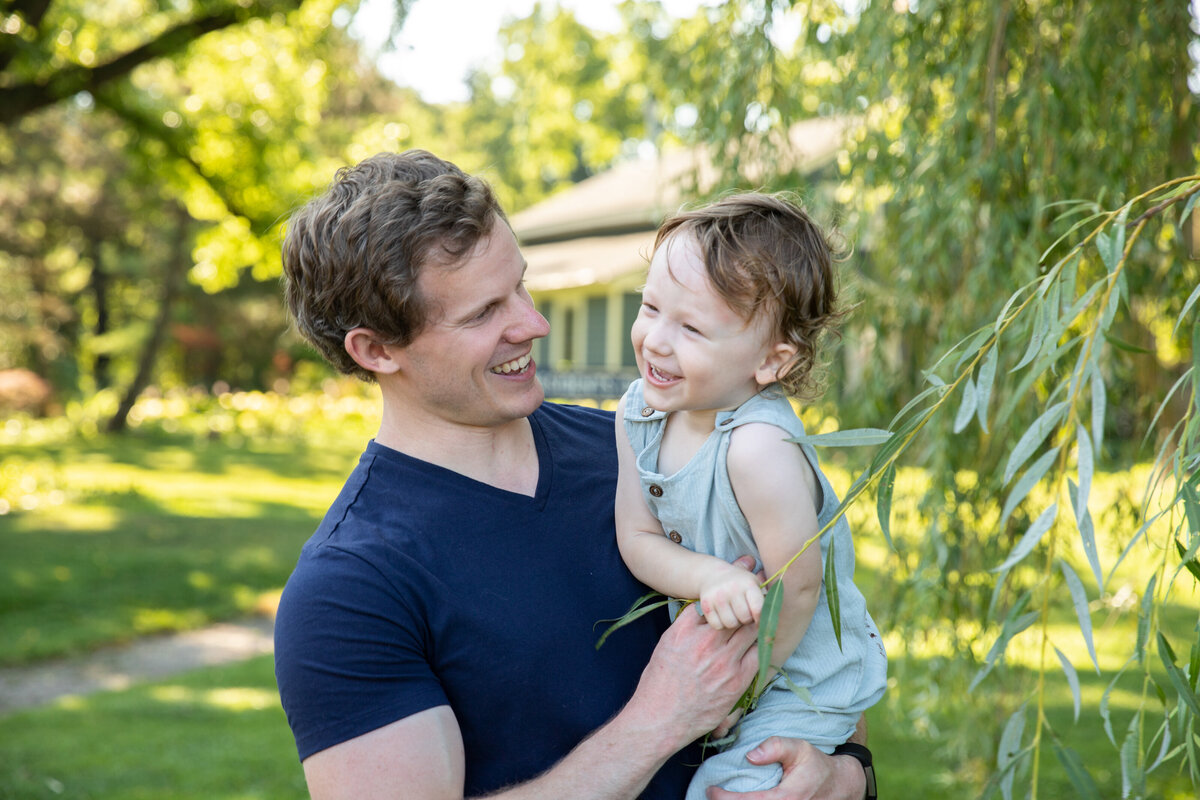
(692, 329)
(648, 307)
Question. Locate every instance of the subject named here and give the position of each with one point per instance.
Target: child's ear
(370, 352)
(780, 355)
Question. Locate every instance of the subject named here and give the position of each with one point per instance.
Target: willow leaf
(966, 409)
(1178, 679)
(1077, 773)
(640, 609)
(852, 438)
(1191, 301)
(1041, 327)
(1013, 625)
(1099, 408)
(939, 389)
(1072, 680)
(1082, 613)
(831, 593)
(1144, 615)
(1087, 536)
(983, 385)
(1084, 455)
(883, 502)
(768, 624)
(1032, 439)
(1009, 753)
(1031, 538)
(1037, 470)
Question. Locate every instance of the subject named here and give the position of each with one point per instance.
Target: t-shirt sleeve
(351, 651)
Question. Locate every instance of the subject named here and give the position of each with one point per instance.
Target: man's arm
(694, 677)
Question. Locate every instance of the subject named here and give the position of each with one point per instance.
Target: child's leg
(730, 770)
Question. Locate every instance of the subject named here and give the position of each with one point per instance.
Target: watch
(864, 757)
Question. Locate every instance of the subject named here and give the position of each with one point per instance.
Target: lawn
(197, 520)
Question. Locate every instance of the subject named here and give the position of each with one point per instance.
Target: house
(588, 248)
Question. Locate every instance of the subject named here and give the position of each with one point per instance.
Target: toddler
(737, 296)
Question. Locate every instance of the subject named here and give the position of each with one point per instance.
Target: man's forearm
(615, 763)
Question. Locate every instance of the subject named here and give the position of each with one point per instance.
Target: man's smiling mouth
(516, 365)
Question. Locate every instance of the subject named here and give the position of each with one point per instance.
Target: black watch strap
(864, 757)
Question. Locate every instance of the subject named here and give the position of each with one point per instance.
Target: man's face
(472, 363)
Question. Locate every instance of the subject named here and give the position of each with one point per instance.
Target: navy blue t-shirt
(423, 588)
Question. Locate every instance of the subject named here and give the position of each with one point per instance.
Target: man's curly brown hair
(353, 255)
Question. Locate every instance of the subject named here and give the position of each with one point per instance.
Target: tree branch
(24, 98)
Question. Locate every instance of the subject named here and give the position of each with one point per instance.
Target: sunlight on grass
(230, 698)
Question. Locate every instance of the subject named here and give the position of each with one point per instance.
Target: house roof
(603, 227)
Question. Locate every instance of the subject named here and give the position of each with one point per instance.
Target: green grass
(213, 733)
(198, 518)
(146, 534)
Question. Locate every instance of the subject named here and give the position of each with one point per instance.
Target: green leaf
(1178, 679)
(1082, 613)
(883, 502)
(1037, 470)
(831, 593)
(1072, 680)
(1187, 557)
(768, 624)
(938, 389)
(1126, 346)
(1191, 301)
(966, 409)
(1099, 408)
(983, 385)
(1032, 439)
(851, 438)
(1084, 457)
(1013, 625)
(1077, 773)
(640, 608)
(1087, 536)
(1041, 327)
(1031, 538)
(1132, 776)
(1143, 627)
(1187, 208)
(1009, 753)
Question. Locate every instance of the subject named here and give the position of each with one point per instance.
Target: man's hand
(808, 774)
(695, 676)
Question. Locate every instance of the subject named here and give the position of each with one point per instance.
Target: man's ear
(780, 355)
(370, 352)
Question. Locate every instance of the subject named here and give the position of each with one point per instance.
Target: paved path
(122, 666)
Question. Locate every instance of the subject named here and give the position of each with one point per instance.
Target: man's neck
(503, 456)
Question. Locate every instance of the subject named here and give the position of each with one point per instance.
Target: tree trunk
(176, 268)
(98, 285)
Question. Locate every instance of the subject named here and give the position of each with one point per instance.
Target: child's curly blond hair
(764, 255)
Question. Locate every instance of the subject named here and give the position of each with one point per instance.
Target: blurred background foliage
(152, 149)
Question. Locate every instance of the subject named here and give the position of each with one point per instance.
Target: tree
(1043, 332)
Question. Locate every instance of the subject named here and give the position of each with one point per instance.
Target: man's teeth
(515, 365)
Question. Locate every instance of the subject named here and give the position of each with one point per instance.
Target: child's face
(694, 352)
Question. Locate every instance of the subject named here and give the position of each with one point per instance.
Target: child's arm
(778, 493)
(729, 595)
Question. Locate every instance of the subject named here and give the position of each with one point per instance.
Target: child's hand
(731, 597)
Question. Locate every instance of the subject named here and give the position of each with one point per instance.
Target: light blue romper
(697, 508)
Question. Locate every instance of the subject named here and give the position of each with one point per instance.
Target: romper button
(647, 411)
(656, 490)
(675, 537)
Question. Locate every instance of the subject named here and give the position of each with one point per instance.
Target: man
(436, 639)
